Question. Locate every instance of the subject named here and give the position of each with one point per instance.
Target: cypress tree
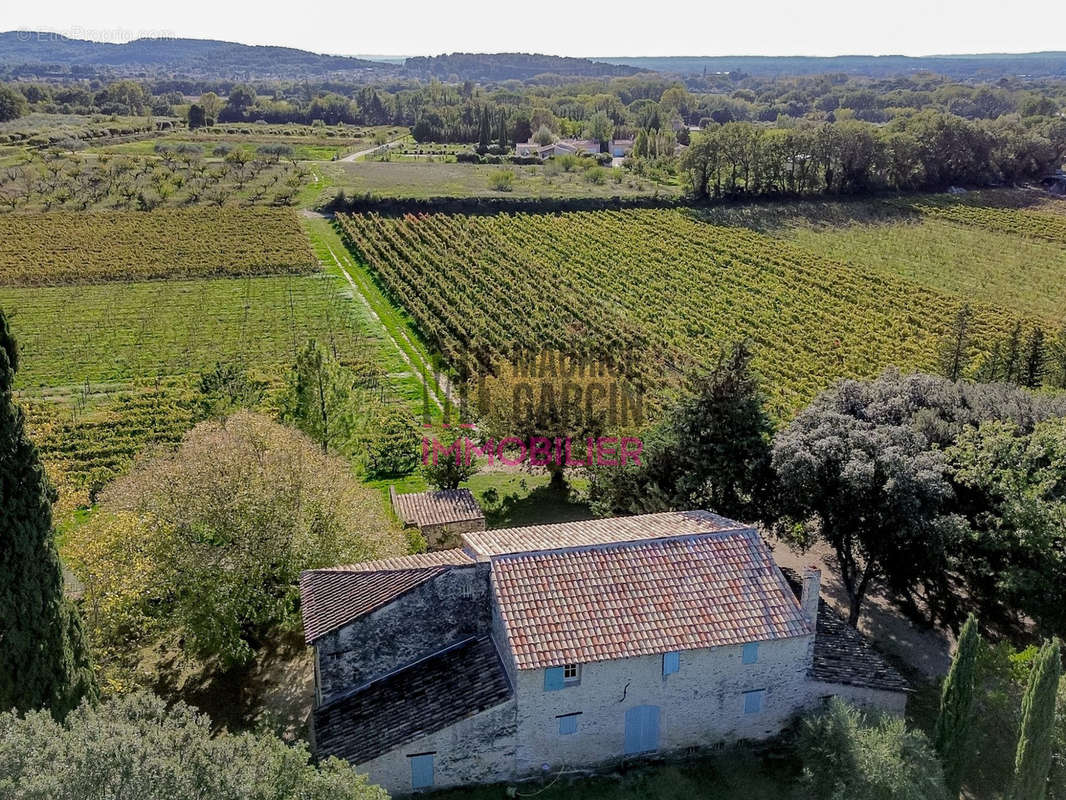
(1058, 360)
(1033, 368)
(44, 659)
(484, 133)
(953, 357)
(952, 734)
(1033, 760)
(1011, 367)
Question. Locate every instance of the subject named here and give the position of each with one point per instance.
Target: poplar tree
(952, 735)
(44, 658)
(1033, 759)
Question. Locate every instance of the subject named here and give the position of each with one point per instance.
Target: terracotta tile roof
(643, 598)
(420, 699)
(587, 533)
(436, 508)
(331, 598)
(843, 655)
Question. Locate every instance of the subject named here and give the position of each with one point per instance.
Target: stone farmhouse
(441, 517)
(579, 644)
(618, 148)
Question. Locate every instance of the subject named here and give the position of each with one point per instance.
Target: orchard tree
(44, 658)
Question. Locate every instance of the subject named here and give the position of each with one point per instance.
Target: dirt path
(370, 151)
(436, 389)
(926, 650)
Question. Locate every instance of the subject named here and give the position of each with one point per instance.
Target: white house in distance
(618, 148)
(527, 650)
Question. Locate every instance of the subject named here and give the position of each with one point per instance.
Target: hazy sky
(619, 28)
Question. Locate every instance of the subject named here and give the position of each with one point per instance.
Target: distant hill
(512, 66)
(193, 57)
(990, 65)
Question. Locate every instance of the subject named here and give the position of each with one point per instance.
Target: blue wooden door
(642, 730)
(421, 771)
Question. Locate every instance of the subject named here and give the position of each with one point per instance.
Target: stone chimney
(812, 584)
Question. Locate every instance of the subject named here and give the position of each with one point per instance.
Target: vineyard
(1045, 225)
(167, 243)
(117, 332)
(123, 373)
(657, 282)
(995, 262)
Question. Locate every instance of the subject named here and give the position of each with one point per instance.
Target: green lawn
(733, 774)
(421, 179)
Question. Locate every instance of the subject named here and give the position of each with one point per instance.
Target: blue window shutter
(751, 653)
(422, 771)
(671, 663)
(553, 679)
(753, 702)
(568, 725)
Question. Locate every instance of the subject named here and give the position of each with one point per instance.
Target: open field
(407, 179)
(88, 248)
(663, 284)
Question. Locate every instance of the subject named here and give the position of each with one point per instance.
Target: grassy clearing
(426, 178)
(401, 352)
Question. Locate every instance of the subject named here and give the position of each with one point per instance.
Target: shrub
(136, 747)
(596, 175)
(209, 541)
(502, 180)
(847, 756)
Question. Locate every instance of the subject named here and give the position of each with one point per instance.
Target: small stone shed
(442, 516)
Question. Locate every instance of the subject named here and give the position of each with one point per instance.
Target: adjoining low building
(530, 650)
(442, 516)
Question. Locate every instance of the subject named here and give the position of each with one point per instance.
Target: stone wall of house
(453, 606)
(861, 696)
(700, 705)
(449, 534)
(478, 749)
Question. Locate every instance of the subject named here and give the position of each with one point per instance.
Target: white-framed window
(571, 673)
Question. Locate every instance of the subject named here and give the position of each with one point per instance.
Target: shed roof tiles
(333, 597)
(423, 698)
(437, 508)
